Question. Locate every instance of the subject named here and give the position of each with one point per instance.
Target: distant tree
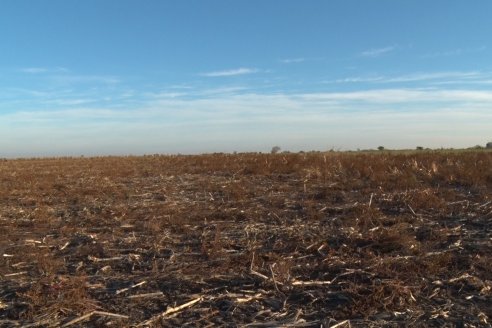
(489, 145)
(420, 148)
(275, 149)
(380, 148)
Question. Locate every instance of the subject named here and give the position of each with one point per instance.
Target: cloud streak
(42, 70)
(84, 79)
(454, 52)
(231, 72)
(34, 70)
(292, 60)
(448, 77)
(377, 52)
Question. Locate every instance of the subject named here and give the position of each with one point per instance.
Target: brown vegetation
(248, 240)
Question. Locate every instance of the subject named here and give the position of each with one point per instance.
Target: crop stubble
(247, 240)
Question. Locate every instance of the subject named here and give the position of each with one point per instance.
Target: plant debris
(247, 240)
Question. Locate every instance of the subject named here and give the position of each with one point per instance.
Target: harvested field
(248, 240)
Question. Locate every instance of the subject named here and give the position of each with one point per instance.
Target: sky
(131, 77)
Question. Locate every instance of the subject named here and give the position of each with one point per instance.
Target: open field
(248, 240)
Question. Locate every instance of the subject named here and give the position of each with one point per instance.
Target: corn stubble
(248, 240)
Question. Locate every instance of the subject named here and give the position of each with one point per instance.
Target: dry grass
(378, 239)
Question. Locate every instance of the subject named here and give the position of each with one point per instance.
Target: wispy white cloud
(231, 72)
(227, 90)
(292, 60)
(21, 93)
(434, 76)
(215, 117)
(461, 82)
(394, 117)
(166, 94)
(408, 96)
(172, 93)
(34, 70)
(448, 77)
(76, 78)
(376, 52)
(69, 102)
(454, 52)
(181, 86)
(294, 105)
(357, 79)
(41, 70)
(62, 75)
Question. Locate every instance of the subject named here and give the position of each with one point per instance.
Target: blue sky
(138, 77)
